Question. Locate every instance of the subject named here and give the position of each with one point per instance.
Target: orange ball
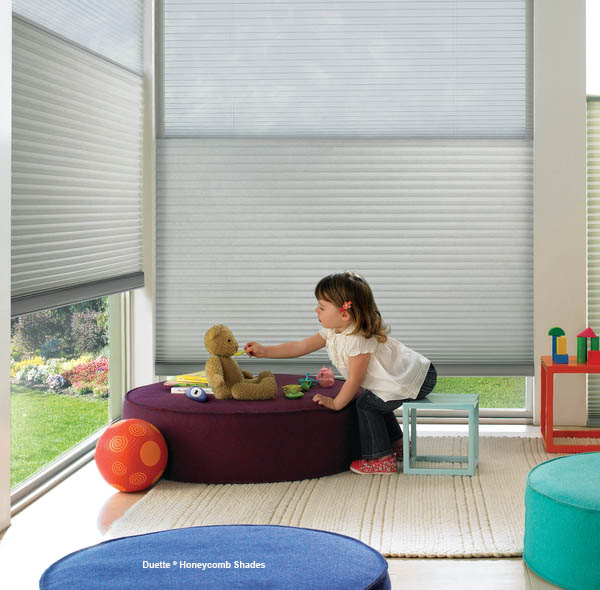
(131, 455)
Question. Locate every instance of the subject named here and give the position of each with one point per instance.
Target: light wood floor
(77, 513)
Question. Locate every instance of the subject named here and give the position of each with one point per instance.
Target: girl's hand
(255, 349)
(324, 400)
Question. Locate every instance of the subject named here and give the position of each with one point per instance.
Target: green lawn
(494, 392)
(45, 425)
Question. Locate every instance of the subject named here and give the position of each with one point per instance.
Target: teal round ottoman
(562, 521)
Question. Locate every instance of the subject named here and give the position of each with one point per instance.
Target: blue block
(560, 359)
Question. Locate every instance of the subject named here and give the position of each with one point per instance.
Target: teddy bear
(225, 376)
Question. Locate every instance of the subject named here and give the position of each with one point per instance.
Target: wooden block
(561, 345)
(594, 357)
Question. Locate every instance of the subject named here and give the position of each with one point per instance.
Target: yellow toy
(225, 376)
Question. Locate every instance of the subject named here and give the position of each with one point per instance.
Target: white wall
(5, 172)
(560, 192)
(592, 9)
(142, 300)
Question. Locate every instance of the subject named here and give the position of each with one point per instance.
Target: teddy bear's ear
(211, 334)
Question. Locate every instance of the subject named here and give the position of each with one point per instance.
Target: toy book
(178, 390)
(197, 378)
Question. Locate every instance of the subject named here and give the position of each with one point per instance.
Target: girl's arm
(287, 349)
(357, 368)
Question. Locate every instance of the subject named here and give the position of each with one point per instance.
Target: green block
(596, 343)
(581, 349)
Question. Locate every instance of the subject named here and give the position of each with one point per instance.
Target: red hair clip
(347, 305)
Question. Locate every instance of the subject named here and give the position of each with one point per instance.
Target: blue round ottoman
(232, 556)
(562, 521)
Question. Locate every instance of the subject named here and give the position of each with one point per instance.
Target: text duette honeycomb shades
(303, 138)
(76, 154)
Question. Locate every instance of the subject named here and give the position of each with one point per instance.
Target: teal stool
(441, 401)
(562, 521)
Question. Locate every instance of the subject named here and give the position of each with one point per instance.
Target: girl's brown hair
(345, 286)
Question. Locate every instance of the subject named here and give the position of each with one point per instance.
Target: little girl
(358, 345)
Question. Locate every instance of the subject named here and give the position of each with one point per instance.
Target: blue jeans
(377, 425)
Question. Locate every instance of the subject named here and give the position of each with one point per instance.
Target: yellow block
(561, 345)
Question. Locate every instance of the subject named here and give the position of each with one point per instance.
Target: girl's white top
(394, 370)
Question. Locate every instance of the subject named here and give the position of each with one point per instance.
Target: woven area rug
(398, 515)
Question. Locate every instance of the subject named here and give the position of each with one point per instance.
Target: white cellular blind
(304, 138)
(110, 28)
(593, 241)
(76, 173)
(417, 68)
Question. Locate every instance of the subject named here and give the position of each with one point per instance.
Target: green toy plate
(292, 391)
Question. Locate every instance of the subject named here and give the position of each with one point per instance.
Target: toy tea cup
(292, 391)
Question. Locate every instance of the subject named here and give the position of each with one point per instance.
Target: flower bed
(81, 376)
(89, 377)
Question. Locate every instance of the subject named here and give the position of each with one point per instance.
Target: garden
(64, 350)
(59, 382)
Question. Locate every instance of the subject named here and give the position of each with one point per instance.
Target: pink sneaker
(398, 453)
(374, 467)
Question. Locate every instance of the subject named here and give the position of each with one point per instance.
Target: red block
(593, 357)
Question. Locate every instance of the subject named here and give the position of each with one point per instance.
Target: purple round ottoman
(234, 441)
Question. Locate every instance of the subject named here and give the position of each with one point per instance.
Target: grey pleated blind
(593, 240)
(305, 138)
(76, 172)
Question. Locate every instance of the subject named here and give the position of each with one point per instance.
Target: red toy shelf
(548, 370)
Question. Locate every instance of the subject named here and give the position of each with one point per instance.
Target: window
(593, 192)
(394, 139)
(76, 221)
(60, 362)
(494, 392)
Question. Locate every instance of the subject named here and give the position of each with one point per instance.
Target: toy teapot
(325, 377)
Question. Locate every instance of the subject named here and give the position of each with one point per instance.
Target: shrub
(82, 388)
(100, 391)
(51, 348)
(17, 366)
(33, 330)
(56, 382)
(89, 377)
(63, 331)
(87, 332)
(72, 363)
(102, 319)
(38, 374)
(32, 375)
(16, 348)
